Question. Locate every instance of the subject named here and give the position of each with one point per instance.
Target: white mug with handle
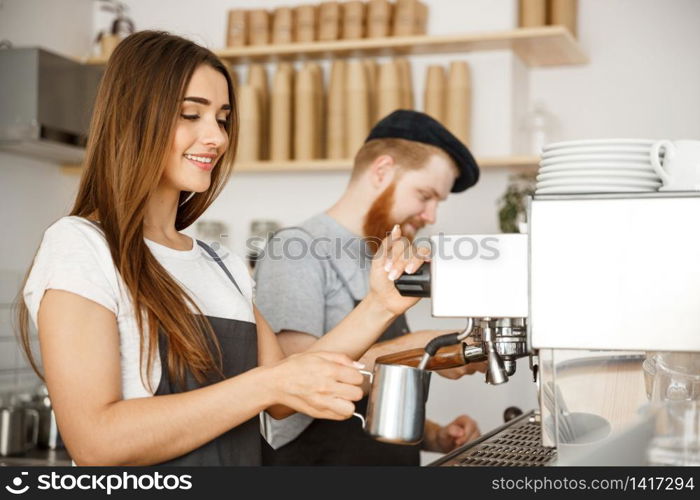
(680, 168)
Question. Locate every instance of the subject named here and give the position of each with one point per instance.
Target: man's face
(411, 200)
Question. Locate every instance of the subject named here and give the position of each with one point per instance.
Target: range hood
(45, 104)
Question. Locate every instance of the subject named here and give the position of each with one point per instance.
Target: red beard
(379, 223)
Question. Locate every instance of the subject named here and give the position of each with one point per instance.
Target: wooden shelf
(519, 162)
(513, 162)
(295, 166)
(543, 46)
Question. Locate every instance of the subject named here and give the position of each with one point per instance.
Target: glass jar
(676, 440)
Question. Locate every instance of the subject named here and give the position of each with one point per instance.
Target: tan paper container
(564, 13)
(379, 21)
(259, 21)
(305, 23)
(335, 138)
(320, 128)
(389, 96)
(357, 104)
(249, 130)
(282, 26)
(329, 17)
(458, 112)
(435, 90)
(421, 25)
(281, 105)
(405, 13)
(406, 82)
(353, 20)
(287, 66)
(304, 114)
(372, 70)
(237, 30)
(257, 77)
(532, 13)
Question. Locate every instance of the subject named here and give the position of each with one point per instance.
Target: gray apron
(332, 442)
(239, 349)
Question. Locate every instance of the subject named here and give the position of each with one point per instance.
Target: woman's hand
(319, 384)
(395, 256)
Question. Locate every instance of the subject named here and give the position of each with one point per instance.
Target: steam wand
(444, 340)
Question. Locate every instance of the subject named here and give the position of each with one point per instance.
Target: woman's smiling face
(200, 137)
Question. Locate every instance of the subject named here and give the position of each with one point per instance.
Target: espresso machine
(599, 281)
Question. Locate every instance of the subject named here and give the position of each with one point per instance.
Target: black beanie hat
(419, 127)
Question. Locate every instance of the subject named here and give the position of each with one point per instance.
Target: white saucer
(599, 142)
(612, 173)
(596, 150)
(599, 181)
(627, 158)
(602, 165)
(583, 189)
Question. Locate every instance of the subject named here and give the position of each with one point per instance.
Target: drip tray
(518, 443)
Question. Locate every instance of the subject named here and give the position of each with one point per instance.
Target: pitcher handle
(362, 419)
(656, 163)
(368, 373)
(371, 379)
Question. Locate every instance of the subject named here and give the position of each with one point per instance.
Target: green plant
(513, 203)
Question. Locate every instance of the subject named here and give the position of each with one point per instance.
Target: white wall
(63, 26)
(642, 81)
(643, 77)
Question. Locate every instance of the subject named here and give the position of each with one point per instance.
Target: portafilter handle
(416, 284)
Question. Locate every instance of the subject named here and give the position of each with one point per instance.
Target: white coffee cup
(680, 168)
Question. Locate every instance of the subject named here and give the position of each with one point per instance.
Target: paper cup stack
(597, 166)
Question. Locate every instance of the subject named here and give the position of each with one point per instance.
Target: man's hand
(445, 439)
(460, 371)
(395, 256)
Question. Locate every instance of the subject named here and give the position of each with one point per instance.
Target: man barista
(313, 275)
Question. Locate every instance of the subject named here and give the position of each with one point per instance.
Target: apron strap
(345, 282)
(218, 260)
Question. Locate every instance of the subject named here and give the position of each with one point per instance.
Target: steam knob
(511, 412)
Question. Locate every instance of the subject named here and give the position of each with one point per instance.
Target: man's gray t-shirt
(300, 289)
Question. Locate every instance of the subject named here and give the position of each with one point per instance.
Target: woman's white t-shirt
(74, 256)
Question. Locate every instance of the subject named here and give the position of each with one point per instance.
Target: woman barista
(152, 349)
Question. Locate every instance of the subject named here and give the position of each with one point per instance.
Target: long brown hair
(131, 132)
